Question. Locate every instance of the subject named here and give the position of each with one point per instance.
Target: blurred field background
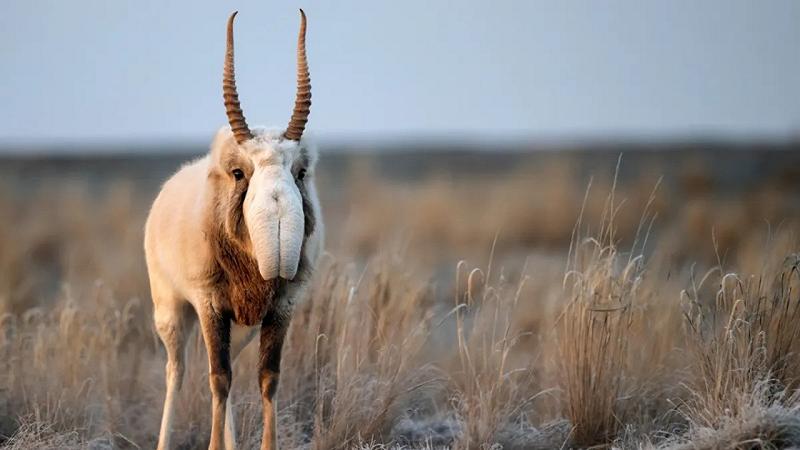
(627, 295)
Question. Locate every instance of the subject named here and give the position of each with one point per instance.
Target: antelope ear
(222, 136)
(222, 144)
(311, 152)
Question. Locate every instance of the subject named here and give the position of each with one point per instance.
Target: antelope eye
(237, 174)
(301, 174)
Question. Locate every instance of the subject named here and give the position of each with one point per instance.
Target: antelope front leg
(217, 335)
(273, 330)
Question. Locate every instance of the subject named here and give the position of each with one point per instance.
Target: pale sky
(100, 70)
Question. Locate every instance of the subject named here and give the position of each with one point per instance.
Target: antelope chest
(248, 304)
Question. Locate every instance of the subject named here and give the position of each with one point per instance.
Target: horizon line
(366, 142)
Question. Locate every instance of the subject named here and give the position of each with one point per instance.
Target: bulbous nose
(277, 230)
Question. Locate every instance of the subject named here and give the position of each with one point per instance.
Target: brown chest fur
(238, 287)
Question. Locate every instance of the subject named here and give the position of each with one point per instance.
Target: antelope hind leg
(173, 322)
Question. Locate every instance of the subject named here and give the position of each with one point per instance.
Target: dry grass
(594, 332)
(403, 344)
(745, 345)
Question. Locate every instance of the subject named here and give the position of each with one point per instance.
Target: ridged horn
(302, 102)
(232, 107)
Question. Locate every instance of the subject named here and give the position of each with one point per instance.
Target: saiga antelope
(231, 241)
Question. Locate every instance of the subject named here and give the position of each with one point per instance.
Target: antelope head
(261, 176)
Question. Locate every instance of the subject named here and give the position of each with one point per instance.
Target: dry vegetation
(524, 311)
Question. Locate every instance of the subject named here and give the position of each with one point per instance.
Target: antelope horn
(232, 107)
(302, 102)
